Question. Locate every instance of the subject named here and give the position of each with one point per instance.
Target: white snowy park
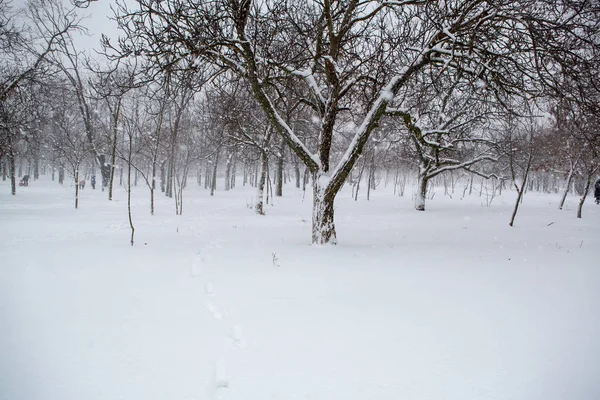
(299, 200)
(221, 303)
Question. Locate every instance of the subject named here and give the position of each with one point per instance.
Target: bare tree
(24, 50)
(66, 137)
(351, 59)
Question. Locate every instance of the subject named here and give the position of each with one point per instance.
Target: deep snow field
(447, 304)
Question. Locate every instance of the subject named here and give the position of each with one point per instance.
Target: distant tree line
(476, 96)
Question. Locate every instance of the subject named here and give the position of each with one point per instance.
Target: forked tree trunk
(323, 226)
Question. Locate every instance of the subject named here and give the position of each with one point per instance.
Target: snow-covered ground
(220, 303)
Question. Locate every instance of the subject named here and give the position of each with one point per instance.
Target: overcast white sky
(97, 22)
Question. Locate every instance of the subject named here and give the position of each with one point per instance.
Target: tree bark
(421, 191)
(279, 170)
(113, 157)
(213, 184)
(323, 226)
(12, 167)
(61, 174)
(262, 180)
(207, 176)
(76, 187)
(521, 190)
(586, 190)
(567, 185)
(129, 188)
(36, 164)
(297, 173)
(228, 172)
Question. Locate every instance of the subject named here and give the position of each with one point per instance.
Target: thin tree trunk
(233, 173)
(297, 173)
(262, 181)
(170, 174)
(113, 157)
(76, 187)
(228, 172)
(305, 179)
(213, 184)
(279, 169)
(586, 190)
(163, 177)
(36, 164)
(567, 185)
(471, 185)
(129, 188)
(207, 176)
(61, 174)
(12, 167)
(521, 190)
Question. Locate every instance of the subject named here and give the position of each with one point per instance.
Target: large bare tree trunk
(422, 181)
(323, 227)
